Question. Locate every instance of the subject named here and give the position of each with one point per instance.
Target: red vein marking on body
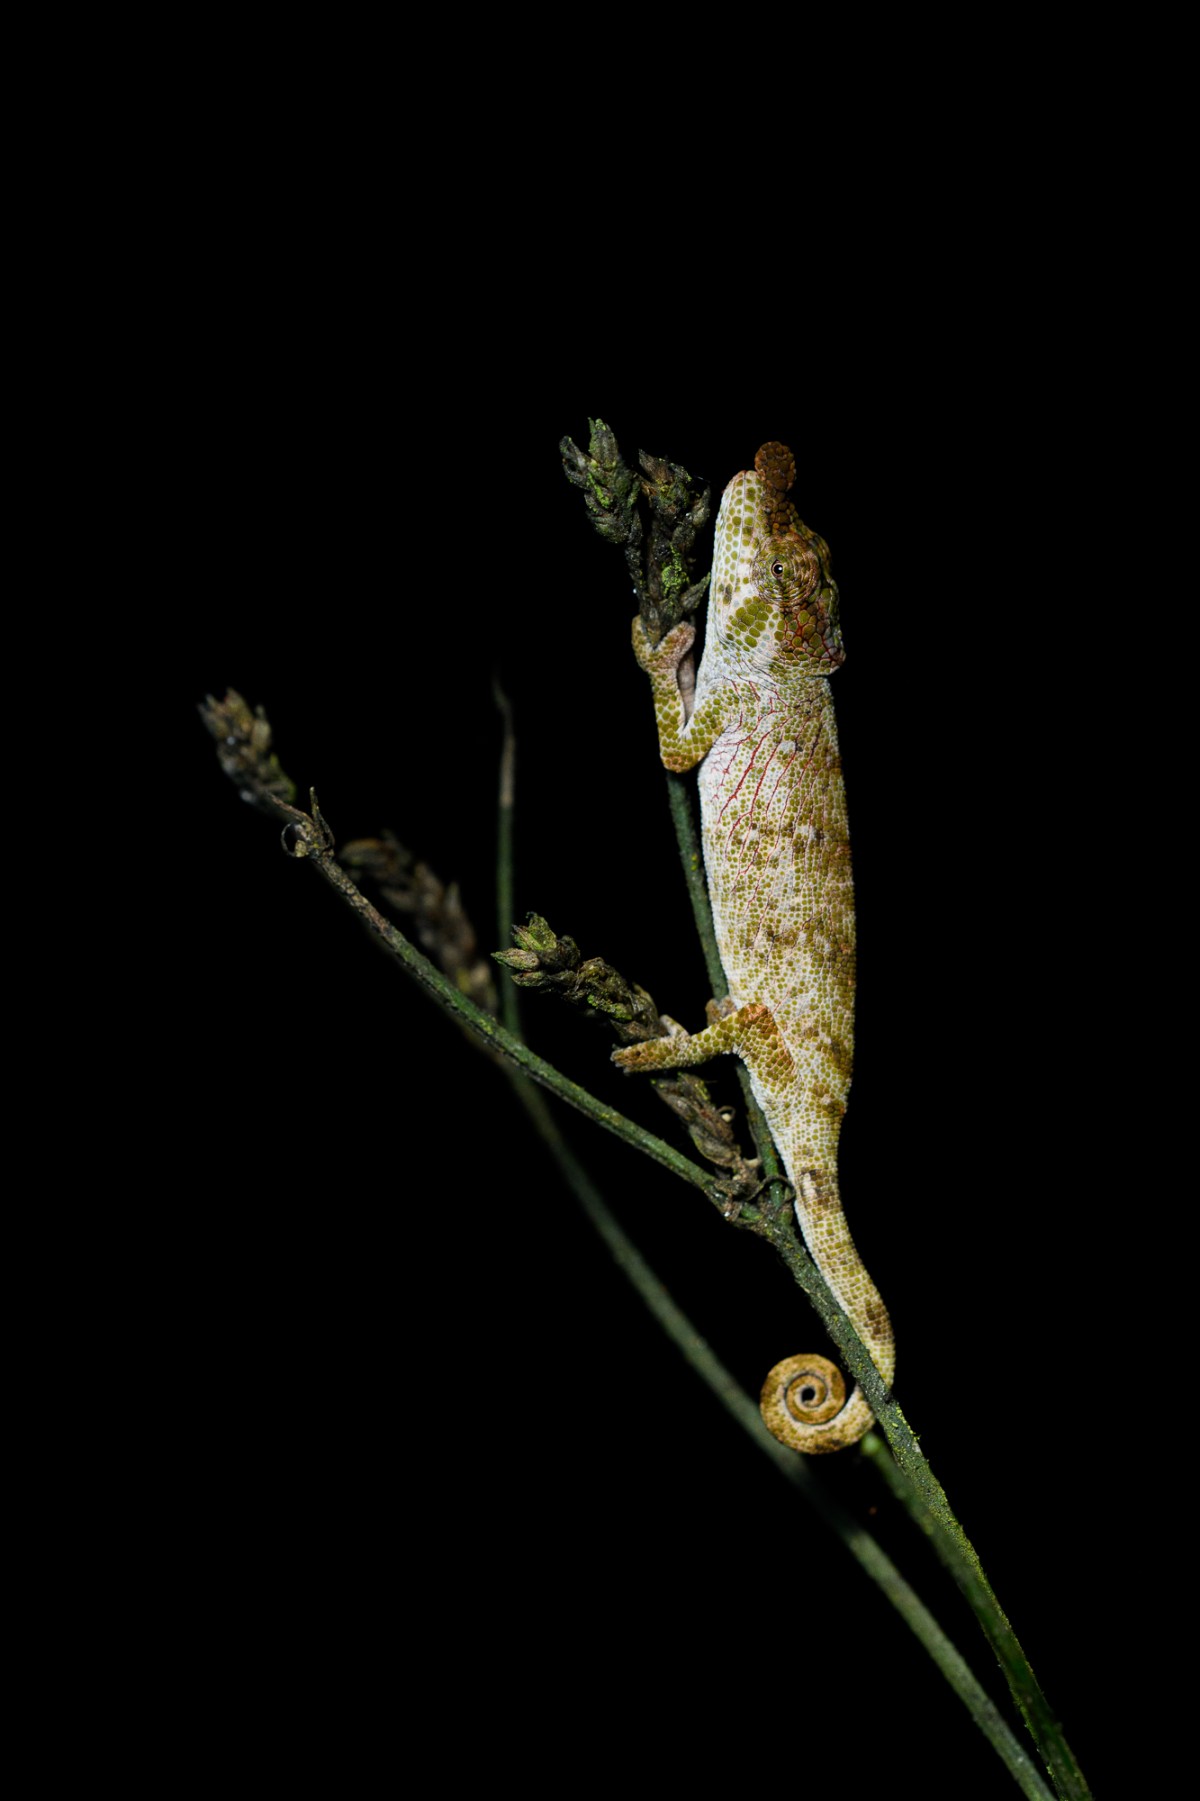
(774, 867)
(800, 820)
(758, 931)
(733, 828)
(753, 839)
(762, 920)
(779, 871)
(791, 840)
(782, 773)
(800, 779)
(792, 837)
(762, 778)
(746, 771)
(733, 751)
(749, 861)
(812, 753)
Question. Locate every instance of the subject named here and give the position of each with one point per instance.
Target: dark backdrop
(416, 1409)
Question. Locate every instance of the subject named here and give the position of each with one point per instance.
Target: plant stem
(910, 1475)
(307, 838)
(860, 1544)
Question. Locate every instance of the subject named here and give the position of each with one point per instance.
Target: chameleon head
(774, 603)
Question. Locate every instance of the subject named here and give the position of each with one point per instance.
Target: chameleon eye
(777, 569)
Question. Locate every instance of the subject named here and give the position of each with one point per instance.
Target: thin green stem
(684, 1335)
(926, 1500)
(510, 1005)
(679, 797)
(860, 1544)
(309, 840)
(911, 1475)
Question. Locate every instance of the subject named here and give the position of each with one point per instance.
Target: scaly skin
(777, 852)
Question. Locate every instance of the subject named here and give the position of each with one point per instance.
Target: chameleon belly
(777, 854)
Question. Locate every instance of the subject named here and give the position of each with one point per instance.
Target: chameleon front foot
(750, 1032)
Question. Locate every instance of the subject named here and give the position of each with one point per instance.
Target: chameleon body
(777, 854)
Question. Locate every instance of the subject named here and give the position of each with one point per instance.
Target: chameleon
(758, 718)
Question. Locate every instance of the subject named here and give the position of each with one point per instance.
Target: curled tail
(803, 1400)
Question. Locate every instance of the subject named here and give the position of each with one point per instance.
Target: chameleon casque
(777, 851)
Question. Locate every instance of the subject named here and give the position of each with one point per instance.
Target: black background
(415, 1417)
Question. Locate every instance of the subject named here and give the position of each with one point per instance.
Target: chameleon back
(777, 853)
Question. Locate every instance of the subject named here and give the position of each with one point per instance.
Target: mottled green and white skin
(777, 852)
